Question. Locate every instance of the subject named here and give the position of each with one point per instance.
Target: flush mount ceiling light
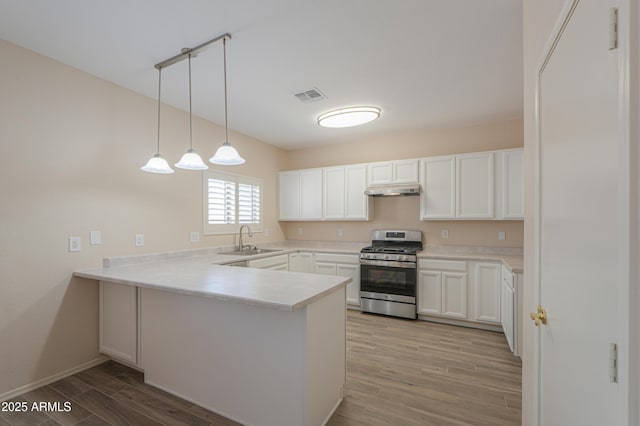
(226, 155)
(348, 117)
(157, 164)
(190, 160)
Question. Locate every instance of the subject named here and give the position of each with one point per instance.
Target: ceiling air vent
(310, 95)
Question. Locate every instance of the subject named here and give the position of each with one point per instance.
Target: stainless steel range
(388, 273)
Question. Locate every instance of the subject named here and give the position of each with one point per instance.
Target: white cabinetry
(392, 172)
(474, 186)
(442, 288)
(511, 184)
(482, 185)
(343, 193)
(346, 265)
(119, 325)
(301, 262)
(487, 292)
(438, 188)
(507, 309)
(279, 262)
(301, 194)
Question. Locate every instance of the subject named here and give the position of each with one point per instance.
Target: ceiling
(425, 63)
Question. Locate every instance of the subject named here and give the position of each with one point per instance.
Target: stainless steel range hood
(392, 190)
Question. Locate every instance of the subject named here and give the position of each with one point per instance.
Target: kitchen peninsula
(256, 346)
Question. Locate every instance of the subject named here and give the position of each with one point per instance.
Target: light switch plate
(340, 232)
(444, 234)
(300, 231)
(195, 236)
(75, 244)
(139, 240)
(502, 236)
(95, 238)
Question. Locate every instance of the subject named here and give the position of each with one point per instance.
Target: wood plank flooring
(398, 373)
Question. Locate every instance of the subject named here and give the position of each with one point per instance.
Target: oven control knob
(386, 257)
(401, 258)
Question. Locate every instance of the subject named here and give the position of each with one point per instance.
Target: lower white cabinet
(119, 323)
(508, 309)
(279, 263)
(301, 262)
(487, 292)
(345, 265)
(442, 288)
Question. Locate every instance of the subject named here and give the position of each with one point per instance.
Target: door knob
(540, 316)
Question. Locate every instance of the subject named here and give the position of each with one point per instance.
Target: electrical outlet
(502, 236)
(195, 236)
(139, 240)
(340, 232)
(75, 243)
(95, 238)
(300, 231)
(266, 232)
(444, 234)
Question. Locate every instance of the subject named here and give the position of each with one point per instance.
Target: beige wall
(539, 18)
(404, 212)
(71, 146)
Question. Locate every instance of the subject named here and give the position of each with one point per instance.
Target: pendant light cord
(190, 126)
(224, 55)
(159, 86)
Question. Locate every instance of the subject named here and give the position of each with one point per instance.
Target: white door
(580, 222)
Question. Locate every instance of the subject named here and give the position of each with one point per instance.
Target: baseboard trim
(43, 382)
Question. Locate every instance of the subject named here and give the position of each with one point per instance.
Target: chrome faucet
(249, 233)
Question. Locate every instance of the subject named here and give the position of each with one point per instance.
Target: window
(231, 201)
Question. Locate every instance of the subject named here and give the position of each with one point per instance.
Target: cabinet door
(289, 195)
(512, 184)
(272, 262)
(311, 194)
(474, 186)
(294, 264)
(353, 288)
(380, 173)
(487, 292)
(305, 262)
(507, 319)
(333, 189)
(405, 171)
(325, 268)
(429, 292)
(437, 200)
(119, 321)
(454, 295)
(356, 203)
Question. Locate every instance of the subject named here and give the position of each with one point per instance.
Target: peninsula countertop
(200, 276)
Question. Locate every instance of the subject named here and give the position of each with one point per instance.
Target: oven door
(379, 278)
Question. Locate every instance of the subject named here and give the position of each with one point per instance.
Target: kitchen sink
(249, 252)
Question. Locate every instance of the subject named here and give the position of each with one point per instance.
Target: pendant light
(157, 164)
(226, 155)
(190, 160)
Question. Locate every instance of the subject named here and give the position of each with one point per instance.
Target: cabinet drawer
(338, 258)
(442, 265)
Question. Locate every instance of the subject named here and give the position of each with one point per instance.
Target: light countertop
(202, 272)
(199, 276)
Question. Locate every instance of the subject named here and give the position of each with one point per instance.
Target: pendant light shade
(190, 160)
(226, 155)
(157, 164)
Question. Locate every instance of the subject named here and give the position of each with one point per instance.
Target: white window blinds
(230, 201)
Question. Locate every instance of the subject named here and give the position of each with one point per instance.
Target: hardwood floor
(398, 373)
(403, 372)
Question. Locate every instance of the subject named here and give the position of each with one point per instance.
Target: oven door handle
(388, 263)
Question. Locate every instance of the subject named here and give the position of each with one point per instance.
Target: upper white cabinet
(510, 173)
(474, 186)
(301, 194)
(343, 193)
(477, 186)
(393, 172)
(438, 188)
